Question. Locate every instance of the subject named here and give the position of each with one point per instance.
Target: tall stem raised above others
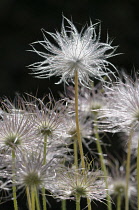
(77, 121)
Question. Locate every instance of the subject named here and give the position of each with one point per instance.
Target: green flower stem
(33, 197)
(28, 198)
(45, 149)
(75, 153)
(44, 199)
(13, 179)
(44, 162)
(63, 204)
(119, 201)
(37, 199)
(77, 201)
(102, 164)
(77, 121)
(128, 169)
(138, 172)
(89, 204)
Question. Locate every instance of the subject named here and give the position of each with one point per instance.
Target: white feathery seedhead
(122, 112)
(31, 171)
(74, 51)
(117, 181)
(16, 131)
(70, 182)
(48, 118)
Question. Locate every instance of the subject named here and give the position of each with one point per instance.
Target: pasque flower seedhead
(122, 112)
(70, 182)
(74, 51)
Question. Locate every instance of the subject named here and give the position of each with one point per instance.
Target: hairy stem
(89, 204)
(101, 157)
(63, 204)
(44, 149)
(44, 199)
(128, 170)
(37, 199)
(77, 121)
(13, 179)
(44, 162)
(77, 202)
(28, 198)
(138, 173)
(75, 153)
(32, 197)
(119, 201)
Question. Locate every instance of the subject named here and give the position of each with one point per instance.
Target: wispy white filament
(123, 106)
(82, 52)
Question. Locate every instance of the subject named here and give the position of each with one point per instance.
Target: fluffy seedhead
(48, 117)
(30, 170)
(117, 181)
(122, 112)
(74, 51)
(15, 129)
(71, 181)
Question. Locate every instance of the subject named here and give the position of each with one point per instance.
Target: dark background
(21, 22)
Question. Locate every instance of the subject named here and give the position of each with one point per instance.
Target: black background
(21, 22)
